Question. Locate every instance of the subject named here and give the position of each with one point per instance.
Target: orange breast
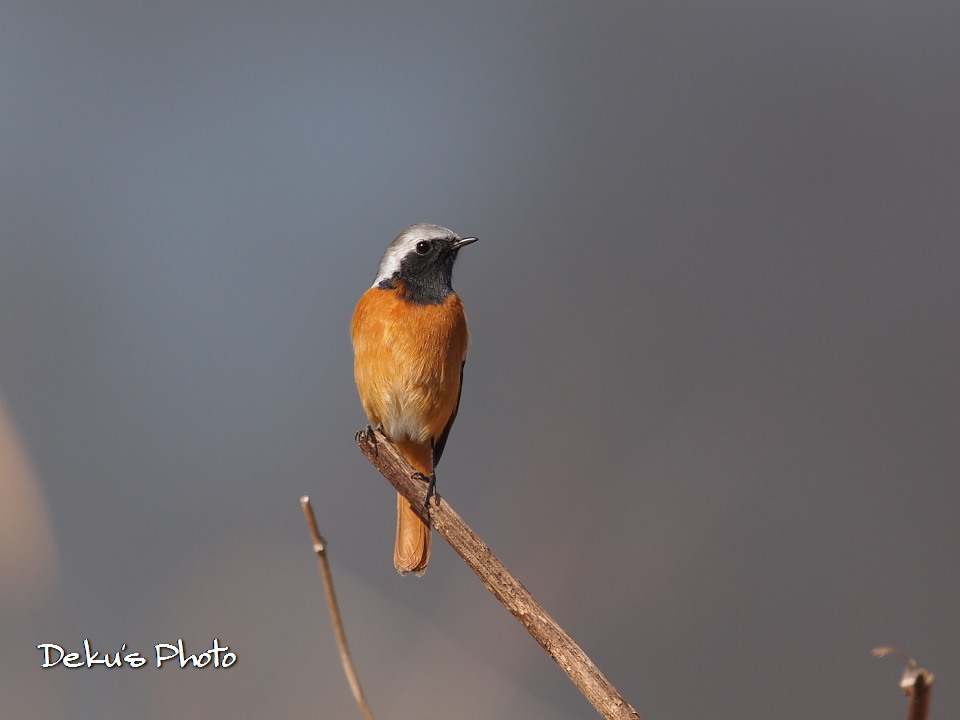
(407, 361)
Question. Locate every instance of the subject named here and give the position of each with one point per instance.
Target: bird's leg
(431, 483)
(373, 436)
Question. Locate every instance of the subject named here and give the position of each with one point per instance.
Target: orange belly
(407, 362)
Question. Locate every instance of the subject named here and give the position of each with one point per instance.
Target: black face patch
(426, 277)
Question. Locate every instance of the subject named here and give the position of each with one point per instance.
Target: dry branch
(504, 586)
(320, 549)
(915, 683)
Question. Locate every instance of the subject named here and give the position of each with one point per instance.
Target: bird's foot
(431, 482)
(369, 432)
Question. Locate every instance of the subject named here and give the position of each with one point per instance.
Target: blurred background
(710, 415)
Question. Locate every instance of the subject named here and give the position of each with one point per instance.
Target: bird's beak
(463, 241)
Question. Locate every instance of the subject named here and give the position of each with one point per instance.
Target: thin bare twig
(505, 587)
(915, 683)
(319, 548)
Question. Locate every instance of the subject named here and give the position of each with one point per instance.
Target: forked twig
(319, 548)
(505, 587)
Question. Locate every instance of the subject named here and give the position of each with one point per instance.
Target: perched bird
(410, 343)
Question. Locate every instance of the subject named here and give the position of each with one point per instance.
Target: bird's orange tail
(411, 553)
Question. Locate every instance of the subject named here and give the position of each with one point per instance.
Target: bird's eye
(423, 247)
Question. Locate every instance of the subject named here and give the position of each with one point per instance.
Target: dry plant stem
(916, 683)
(919, 698)
(505, 587)
(319, 548)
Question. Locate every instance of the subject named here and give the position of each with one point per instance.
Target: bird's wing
(441, 441)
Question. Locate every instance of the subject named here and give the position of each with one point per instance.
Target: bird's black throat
(424, 280)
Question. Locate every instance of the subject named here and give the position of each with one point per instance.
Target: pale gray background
(711, 407)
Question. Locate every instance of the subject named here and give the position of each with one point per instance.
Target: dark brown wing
(441, 441)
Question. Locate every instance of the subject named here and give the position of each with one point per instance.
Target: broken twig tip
(915, 683)
(319, 544)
